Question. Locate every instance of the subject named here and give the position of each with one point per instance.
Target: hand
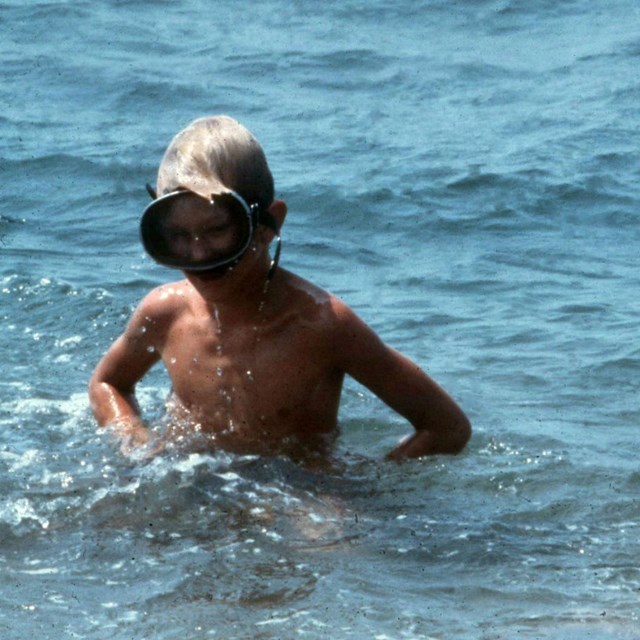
(136, 439)
(419, 444)
(142, 452)
(425, 442)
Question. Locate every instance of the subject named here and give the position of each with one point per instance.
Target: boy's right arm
(112, 385)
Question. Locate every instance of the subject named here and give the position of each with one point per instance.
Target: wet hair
(214, 154)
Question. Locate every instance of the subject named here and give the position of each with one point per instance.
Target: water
(465, 175)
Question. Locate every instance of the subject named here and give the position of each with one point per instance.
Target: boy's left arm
(441, 425)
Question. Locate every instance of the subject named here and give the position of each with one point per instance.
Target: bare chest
(276, 379)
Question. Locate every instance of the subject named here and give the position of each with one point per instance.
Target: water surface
(465, 176)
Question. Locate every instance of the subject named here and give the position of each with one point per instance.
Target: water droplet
(249, 375)
(173, 360)
(216, 315)
(151, 349)
(219, 371)
(143, 329)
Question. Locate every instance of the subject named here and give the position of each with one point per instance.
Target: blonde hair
(215, 154)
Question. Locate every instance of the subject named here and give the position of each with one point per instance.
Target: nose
(198, 248)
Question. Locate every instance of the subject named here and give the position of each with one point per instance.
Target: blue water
(466, 176)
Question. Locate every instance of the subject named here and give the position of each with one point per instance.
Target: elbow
(105, 399)
(460, 434)
(95, 388)
(92, 388)
(96, 392)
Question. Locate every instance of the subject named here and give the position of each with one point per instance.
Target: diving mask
(184, 230)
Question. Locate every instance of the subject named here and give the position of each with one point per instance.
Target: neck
(240, 292)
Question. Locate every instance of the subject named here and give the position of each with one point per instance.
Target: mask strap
(265, 218)
(276, 258)
(151, 191)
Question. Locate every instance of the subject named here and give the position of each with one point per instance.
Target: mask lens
(185, 231)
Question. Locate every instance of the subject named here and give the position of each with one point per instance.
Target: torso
(258, 381)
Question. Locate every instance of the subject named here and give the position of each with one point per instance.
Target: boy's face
(198, 232)
(188, 232)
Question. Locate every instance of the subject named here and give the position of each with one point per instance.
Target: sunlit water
(465, 175)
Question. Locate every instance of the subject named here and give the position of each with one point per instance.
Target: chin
(209, 274)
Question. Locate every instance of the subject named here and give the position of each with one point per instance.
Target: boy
(256, 355)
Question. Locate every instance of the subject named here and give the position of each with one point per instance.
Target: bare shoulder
(309, 302)
(311, 306)
(160, 307)
(167, 297)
